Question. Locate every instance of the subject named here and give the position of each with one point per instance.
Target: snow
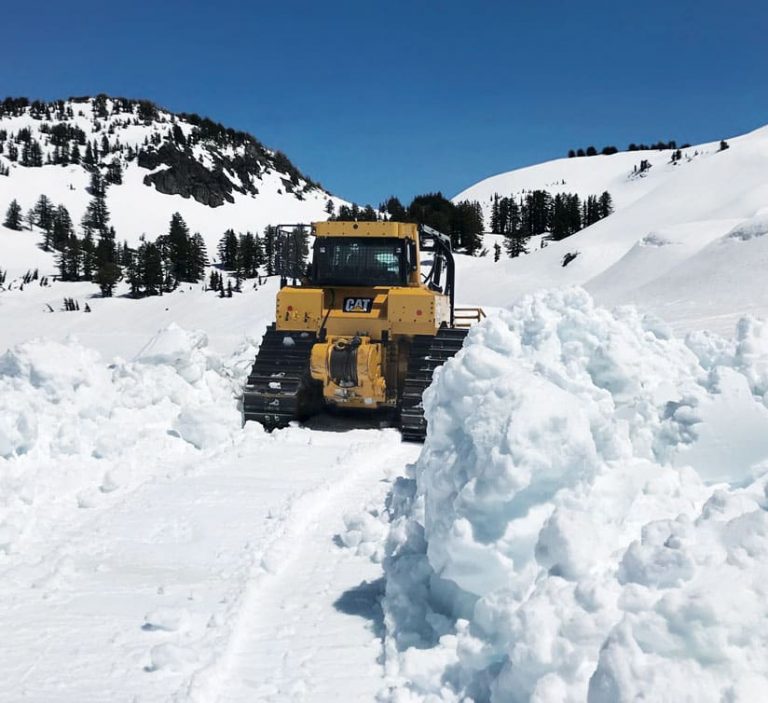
(685, 207)
(152, 544)
(137, 209)
(587, 518)
(585, 522)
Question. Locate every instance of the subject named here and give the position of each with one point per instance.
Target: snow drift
(587, 519)
(74, 427)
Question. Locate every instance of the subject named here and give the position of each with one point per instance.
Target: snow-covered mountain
(216, 177)
(676, 239)
(586, 520)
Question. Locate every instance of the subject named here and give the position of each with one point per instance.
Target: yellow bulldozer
(363, 326)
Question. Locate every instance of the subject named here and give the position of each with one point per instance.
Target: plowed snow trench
(223, 581)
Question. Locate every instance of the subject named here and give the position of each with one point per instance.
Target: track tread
(279, 388)
(426, 354)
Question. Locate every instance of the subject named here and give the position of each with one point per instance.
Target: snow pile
(562, 537)
(74, 427)
(752, 227)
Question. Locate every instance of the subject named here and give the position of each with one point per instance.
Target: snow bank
(568, 533)
(74, 428)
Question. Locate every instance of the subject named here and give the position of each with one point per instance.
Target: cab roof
(334, 228)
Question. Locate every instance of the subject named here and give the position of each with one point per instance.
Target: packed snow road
(151, 549)
(223, 582)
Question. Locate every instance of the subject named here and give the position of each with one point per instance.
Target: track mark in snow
(309, 629)
(147, 600)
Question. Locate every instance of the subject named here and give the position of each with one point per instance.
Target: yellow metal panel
(416, 311)
(366, 229)
(299, 309)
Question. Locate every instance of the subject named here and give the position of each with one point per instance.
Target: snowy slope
(586, 520)
(139, 209)
(663, 218)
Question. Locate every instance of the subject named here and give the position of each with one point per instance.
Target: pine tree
(13, 216)
(228, 250)
(115, 172)
(151, 268)
(270, 249)
(89, 161)
(96, 218)
(247, 256)
(88, 253)
(43, 218)
(179, 250)
(468, 224)
(395, 210)
(62, 227)
(132, 273)
(496, 251)
(605, 205)
(70, 259)
(329, 208)
(198, 257)
(107, 275)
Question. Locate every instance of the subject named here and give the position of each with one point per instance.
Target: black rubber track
(426, 354)
(279, 388)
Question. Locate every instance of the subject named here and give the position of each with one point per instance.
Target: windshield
(360, 261)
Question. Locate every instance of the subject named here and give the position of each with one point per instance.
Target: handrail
(466, 317)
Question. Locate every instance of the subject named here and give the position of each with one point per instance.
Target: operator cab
(359, 261)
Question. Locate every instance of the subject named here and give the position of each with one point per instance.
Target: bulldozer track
(427, 353)
(279, 388)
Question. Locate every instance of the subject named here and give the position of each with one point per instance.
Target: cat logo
(358, 304)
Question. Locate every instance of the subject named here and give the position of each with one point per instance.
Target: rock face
(186, 176)
(223, 173)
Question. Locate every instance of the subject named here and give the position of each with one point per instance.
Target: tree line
(462, 222)
(538, 211)
(608, 150)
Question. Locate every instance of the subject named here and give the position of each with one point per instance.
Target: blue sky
(374, 98)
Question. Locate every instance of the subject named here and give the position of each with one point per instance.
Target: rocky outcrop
(184, 175)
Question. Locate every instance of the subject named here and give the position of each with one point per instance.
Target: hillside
(585, 521)
(667, 242)
(216, 177)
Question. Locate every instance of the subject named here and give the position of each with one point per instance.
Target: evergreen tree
(198, 257)
(43, 218)
(62, 227)
(329, 208)
(468, 224)
(13, 216)
(605, 205)
(270, 249)
(96, 218)
(115, 172)
(436, 211)
(247, 256)
(180, 250)
(496, 251)
(151, 268)
(107, 275)
(515, 244)
(394, 209)
(89, 161)
(228, 250)
(132, 273)
(88, 254)
(70, 259)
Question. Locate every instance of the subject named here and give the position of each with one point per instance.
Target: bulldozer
(363, 326)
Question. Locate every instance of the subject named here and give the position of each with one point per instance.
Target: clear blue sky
(379, 98)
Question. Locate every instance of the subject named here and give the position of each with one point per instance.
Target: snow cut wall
(587, 520)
